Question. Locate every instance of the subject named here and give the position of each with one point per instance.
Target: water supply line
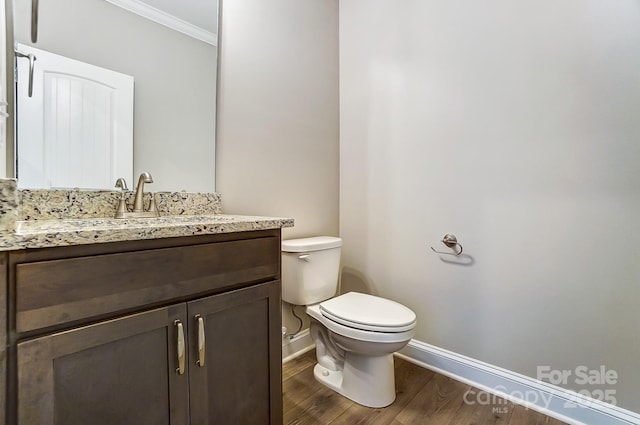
(300, 324)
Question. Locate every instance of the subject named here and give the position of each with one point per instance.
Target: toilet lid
(367, 312)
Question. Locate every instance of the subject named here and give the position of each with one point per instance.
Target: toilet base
(369, 381)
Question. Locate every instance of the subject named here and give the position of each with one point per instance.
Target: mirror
(170, 50)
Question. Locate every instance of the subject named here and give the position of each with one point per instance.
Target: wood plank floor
(423, 397)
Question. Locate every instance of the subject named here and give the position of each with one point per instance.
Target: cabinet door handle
(181, 348)
(201, 342)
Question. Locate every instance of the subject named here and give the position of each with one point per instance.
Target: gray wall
(174, 116)
(515, 126)
(277, 141)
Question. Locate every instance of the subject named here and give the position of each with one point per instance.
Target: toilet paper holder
(450, 241)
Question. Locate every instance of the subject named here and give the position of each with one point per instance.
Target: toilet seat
(358, 334)
(369, 313)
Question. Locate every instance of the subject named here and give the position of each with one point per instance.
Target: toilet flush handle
(304, 257)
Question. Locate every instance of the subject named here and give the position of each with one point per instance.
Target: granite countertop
(50, 218)
(64, 232)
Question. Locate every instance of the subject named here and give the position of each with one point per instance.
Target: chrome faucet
(138, 203)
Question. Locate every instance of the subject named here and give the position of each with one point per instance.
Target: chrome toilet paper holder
(450, 241)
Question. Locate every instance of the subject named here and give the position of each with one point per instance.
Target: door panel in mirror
(76, 128)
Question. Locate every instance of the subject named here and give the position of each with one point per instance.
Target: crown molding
(170, 21)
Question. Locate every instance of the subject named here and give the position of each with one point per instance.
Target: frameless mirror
(167, 49)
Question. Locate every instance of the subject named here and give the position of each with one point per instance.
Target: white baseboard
(551, 400)
(296, 346)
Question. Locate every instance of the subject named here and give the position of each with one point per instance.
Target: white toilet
(355, 334)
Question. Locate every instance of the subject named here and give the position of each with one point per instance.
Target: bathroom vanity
(172, 321)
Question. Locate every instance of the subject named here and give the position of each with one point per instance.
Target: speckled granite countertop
(57, 232)
(50, 218)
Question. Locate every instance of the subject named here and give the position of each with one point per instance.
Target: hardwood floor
(423, 397)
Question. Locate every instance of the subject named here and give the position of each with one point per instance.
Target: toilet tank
(310, 269)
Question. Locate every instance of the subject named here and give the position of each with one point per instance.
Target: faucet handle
(153, 208)
(152, 204)
(122, 207)
(121, 184)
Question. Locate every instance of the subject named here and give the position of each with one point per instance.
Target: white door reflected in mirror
(76, 130)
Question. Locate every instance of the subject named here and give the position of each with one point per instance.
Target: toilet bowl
(355, 334)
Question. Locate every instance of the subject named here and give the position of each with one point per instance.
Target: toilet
(355, 334)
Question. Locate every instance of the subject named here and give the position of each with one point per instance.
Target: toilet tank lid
(315, 243)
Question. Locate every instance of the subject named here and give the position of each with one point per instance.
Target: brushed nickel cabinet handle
(181, 348)
(201, 341)
(34, 21)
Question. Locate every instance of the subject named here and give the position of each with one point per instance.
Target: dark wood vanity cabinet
(199, 344)
(234, 384)
(114, 372)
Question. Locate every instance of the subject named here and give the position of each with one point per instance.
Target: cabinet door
(240, 381)
(122, 371)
